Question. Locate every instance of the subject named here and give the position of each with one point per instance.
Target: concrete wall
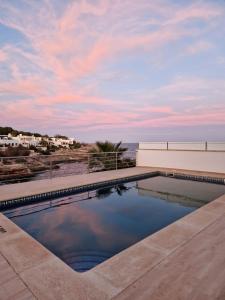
(189, 156)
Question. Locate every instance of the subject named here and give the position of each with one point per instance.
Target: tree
(44, 143)
(108, 147)
(14, 132)
(59, 136)
(106, 156)
(75, 145)
(5, 130)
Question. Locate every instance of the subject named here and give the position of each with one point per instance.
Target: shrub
(15, 151)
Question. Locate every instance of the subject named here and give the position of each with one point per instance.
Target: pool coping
(33, 198)
(46, 276)
(71, 191)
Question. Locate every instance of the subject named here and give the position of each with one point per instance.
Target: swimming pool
(88, 228)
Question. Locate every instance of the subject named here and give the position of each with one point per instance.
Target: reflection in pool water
(87, 229)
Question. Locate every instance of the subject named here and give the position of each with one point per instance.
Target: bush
(76, 145)
(32, 147)
(44, 152)
(15, 151)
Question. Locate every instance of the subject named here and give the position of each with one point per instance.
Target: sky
(146, 70)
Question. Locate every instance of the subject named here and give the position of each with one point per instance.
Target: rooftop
(180, 261)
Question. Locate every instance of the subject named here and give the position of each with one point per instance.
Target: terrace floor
(185, 260)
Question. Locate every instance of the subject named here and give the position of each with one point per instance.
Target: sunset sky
(120, 70)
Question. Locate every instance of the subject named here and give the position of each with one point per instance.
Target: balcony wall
(206, 157)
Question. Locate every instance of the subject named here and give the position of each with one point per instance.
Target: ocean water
(130, 146)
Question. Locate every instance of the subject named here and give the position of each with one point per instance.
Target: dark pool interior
(88, 228)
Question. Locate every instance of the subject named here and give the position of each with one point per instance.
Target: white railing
(185, 146)
(26, 168)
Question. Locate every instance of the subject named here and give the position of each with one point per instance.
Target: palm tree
(109, 147)
(106, 155)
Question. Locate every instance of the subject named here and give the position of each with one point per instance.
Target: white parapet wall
(202, 156)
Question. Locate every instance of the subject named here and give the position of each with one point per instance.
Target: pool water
(88, 228)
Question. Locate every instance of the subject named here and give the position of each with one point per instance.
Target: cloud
(221, 60)
(194, 118)
(3, 56)
(198, 47)
(156, 109)
(197, 11)
(73, 99)
(71, 47)
(57, 68)
(20, 87)
(193, 89)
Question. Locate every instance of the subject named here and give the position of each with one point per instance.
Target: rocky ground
(16, 168)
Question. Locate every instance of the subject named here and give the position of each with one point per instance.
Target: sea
(130, 146)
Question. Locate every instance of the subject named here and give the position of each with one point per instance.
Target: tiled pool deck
(185, 260)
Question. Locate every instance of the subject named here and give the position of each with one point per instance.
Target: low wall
(177, 156)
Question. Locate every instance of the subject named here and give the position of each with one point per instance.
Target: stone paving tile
(215, 207)
(23, 252)
(199, 218)
(171, 237)
(25, 295)
(221, 199)
(126, 267)
(14, 289)
(12, 191)
(55, 280)
(195, 271)
(8, 227)
(101, 283)
(6, 272)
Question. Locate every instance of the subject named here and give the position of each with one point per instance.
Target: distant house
(28, 140)
(31, 140)
(62, 142)
(8, 141)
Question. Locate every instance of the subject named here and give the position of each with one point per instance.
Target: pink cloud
(193, 118)
(25, 110)
(73, 98)
(3, 56)
(93, 118)
(183, 120)
(70, 48)
(80, 40)
(203, 11)
(21, 87)
(156, 109)
(43, 117)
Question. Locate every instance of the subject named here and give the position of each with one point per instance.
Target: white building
(62, 142)
(27, 141)
(31, 140)
(8, 141)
